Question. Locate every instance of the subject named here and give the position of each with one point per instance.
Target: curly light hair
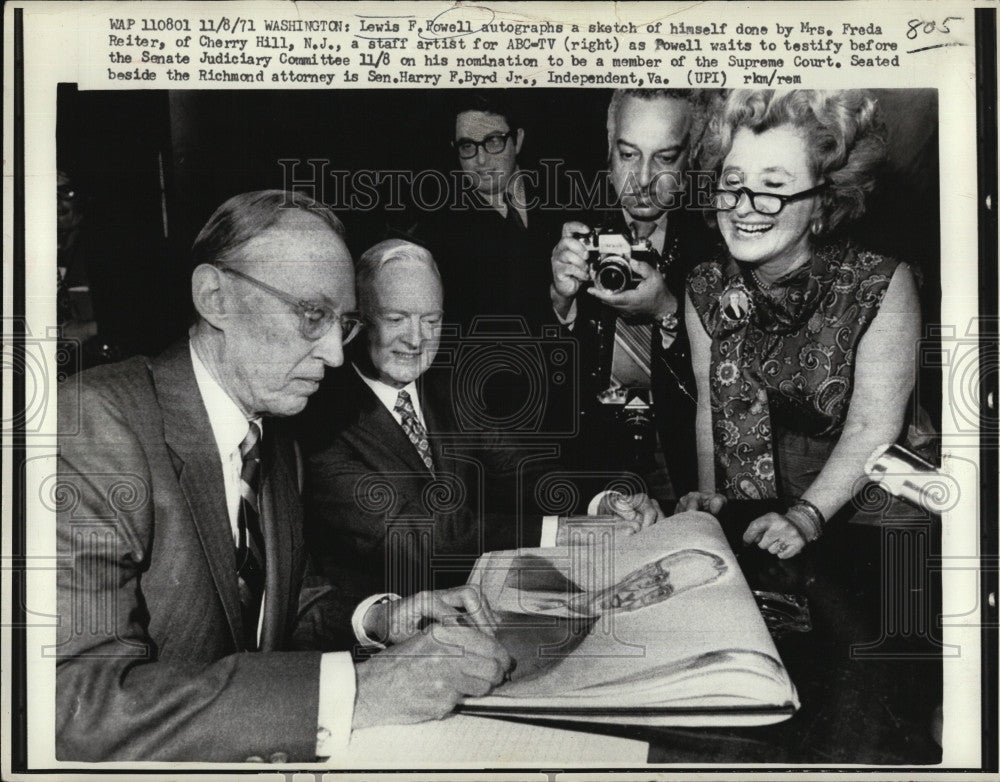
(844, 138)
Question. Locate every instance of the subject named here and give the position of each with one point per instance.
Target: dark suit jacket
(375, 517)
(496, 281)
(490, 268)
(149, 659)
(688, 243)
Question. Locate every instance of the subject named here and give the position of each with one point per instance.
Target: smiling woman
(802, 342)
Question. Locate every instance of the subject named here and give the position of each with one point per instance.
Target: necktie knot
(404, 405)
(643, 230)
(250, 454)
(513, 216)
(251, 441)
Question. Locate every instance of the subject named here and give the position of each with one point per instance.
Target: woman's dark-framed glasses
(494, 144)
(764, 203)
(315, 318)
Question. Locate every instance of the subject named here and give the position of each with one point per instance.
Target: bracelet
(812, 514)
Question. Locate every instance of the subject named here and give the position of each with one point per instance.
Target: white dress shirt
(388, 395)
(337, 686)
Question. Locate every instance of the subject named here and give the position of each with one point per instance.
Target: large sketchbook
(656, 628)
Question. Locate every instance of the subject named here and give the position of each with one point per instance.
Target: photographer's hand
(649, 300)
(569, 267)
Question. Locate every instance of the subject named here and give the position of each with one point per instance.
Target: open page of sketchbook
(463, 741)
(656, 628)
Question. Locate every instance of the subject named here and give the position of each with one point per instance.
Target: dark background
(155, 164)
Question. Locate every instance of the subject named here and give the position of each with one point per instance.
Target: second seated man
(397, 498)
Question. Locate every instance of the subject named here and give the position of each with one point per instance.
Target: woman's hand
(708, 501)
(775, 533)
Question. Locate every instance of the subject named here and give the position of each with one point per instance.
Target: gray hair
(375, 258)
(246, 216)
(701, 103)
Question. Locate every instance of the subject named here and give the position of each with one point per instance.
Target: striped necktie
(414, 429)
(250, 547)
(631, 360)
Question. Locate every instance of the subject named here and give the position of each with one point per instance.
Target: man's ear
(519, 141)
(207, 294)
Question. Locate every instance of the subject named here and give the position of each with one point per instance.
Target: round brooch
(735, 304)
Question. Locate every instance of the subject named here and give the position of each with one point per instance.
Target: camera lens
(613, 274)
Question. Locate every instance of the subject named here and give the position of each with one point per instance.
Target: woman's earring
(816, 226)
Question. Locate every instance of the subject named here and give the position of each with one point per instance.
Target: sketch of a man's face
(655, 582)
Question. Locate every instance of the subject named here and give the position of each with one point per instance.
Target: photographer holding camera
(635, 358)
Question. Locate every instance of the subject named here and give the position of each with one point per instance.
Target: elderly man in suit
(398, 498)
(635, 356)
(190, 627)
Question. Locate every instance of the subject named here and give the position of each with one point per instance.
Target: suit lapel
(188, 434)
(436, 407)
(383, 431)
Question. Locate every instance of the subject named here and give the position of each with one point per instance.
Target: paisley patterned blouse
(782, 358)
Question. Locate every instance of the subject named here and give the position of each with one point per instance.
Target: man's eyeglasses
(764, 203)
(315, 318)
(494, 144)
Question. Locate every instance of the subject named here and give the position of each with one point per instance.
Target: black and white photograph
(431, 388)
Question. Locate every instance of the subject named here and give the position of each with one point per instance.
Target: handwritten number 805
(917, 26)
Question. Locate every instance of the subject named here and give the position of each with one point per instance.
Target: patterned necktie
(631, 360)
(250, 548)
(414, 429)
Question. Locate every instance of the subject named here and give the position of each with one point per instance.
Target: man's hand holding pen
(443, 639)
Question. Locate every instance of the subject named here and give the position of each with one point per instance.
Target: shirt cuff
(358, 618)
(337, 689)
(570, 318)
(594, 509)
(550, 528)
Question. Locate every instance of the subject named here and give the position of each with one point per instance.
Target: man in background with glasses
(491, 240)
(185, 602)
